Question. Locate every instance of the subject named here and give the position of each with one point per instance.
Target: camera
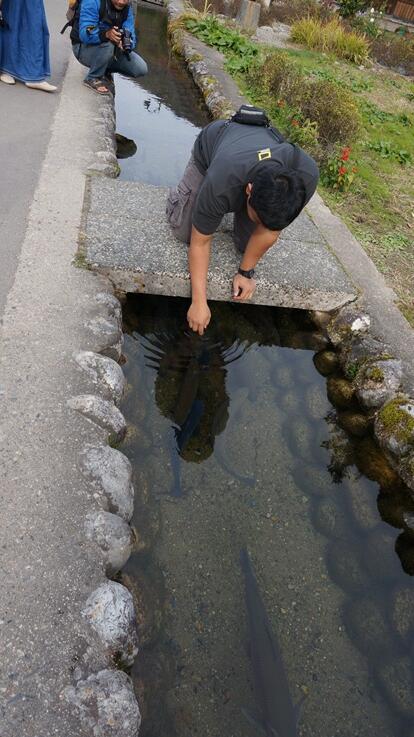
(126, 41)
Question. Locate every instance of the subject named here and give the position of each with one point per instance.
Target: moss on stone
(352, 370)
(375, 374)
(396, 421)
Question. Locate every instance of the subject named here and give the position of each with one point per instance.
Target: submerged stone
(394, 505)
(396, 678)
(362, 502)
(110, 612)
(372, 462)
(114, 537)
(344, 564)
(367, 626)
(106, 704)
(403, 612)
(404, 547)
(341, 392)
(147, 604)
(379, 557)
(355, 423)
(325, 362)
(329, 519)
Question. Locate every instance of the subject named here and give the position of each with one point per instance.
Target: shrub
(331, 37)
(394, 51)
(349, 8)
(325, 114)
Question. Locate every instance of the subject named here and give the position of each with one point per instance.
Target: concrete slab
(128, 239)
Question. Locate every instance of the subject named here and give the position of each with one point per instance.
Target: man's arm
(89, 22)
(199, 315)
(129, 24)
(260, 241)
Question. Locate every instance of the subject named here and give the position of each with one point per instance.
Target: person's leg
(181, 199)
(243, 228)
(96, 57)
(133, 67)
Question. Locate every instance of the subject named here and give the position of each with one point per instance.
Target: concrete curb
(64, 527)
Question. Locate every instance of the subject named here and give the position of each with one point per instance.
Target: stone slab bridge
(127, 238)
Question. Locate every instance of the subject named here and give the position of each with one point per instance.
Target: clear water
(161, 112)
(264, 466)
(235, 444)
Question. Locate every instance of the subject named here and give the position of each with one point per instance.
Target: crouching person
(103, 36)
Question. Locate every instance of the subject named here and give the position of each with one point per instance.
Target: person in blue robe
(24, 44)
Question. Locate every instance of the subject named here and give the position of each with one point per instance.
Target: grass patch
(331, 38)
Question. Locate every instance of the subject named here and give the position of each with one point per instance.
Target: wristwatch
(248, 274)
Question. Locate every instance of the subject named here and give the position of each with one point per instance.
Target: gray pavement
(47, 566)
(137, 250)
(25, 119)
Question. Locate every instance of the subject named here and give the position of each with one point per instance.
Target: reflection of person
(24, 44)
(248, 170)
(103, 36)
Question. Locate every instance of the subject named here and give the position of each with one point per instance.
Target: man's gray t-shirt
(227, 156)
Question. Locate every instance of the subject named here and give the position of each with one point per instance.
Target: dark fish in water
(277, 716)
(186, 431)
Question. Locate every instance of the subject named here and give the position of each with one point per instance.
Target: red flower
(345, 154)
(295, 122)
(342, 171)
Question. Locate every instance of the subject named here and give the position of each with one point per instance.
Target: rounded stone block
(106, 704)
(113, 536)
(377, 382)
(111, 473)
(102, 413)
(110, 612)
(105, 372)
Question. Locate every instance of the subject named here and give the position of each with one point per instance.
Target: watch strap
(249, 274)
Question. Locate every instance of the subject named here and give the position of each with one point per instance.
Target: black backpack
(106, 13)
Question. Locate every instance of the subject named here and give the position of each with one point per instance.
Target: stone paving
(138, 252)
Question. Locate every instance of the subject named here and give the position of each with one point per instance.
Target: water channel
(235, 444)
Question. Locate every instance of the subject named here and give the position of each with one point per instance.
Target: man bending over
(249, 170)
(103, 36)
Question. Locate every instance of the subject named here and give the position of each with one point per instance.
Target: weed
(387, 151)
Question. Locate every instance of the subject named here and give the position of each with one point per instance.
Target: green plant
(238, 49)
(349, 8)
(339, 172)
(387, 151)
(331, 37)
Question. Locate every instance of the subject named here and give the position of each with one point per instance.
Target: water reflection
(277, 472)
(158, 109)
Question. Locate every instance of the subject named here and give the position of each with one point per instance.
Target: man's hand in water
(243, 288)
(199, 316)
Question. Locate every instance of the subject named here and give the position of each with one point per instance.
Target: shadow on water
(235, 443)
(155, 110)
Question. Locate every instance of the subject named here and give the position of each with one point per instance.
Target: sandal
(97, 85)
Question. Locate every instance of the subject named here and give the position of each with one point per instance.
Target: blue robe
(24, 46)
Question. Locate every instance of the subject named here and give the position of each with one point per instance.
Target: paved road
(25, 122)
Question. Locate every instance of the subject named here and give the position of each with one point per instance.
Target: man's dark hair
(277, 195)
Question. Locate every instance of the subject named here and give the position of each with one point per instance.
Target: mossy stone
(394, 426)
(355, 423)
(341, 392)
(372, 462)
(326, 362)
